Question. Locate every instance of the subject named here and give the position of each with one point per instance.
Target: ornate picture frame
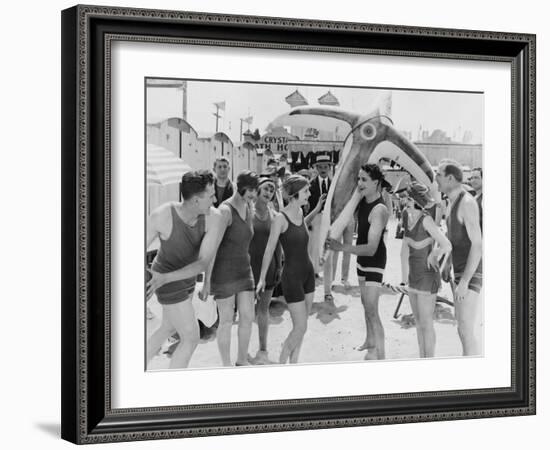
(88, 34)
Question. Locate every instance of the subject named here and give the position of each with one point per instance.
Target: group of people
(252, 242)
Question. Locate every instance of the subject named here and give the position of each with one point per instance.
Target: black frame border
(87, 34)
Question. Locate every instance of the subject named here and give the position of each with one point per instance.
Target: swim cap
(293, 184)
(420, 194)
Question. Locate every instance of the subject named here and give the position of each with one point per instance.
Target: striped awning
(163, 167)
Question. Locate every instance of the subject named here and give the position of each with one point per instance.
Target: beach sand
(335, 334)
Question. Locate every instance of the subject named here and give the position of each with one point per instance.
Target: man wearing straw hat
(318, 188)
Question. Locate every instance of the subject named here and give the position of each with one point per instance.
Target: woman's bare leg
(298, 313)
(226, 310)
(425, 323)
(245, 303)
(263, 318)
(413, 300)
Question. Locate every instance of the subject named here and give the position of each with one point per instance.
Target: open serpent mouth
(372, 138)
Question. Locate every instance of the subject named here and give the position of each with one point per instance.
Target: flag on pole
(220, 105)
(248, 120)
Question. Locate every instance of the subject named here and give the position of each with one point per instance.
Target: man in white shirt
(318, 188)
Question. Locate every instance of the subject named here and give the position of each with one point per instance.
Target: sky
(448, 111)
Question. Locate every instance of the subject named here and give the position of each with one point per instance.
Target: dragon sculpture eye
(368, 131)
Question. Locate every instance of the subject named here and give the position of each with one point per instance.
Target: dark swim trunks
(475, 282)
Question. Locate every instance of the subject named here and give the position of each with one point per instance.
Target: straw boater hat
(323, 159)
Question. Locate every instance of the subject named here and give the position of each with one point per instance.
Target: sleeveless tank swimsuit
(370, 268)
(179, 250)
(461, 247)
(422, 280)
(232, 273)
(298, 278)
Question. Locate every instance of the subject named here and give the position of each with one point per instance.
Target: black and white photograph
(311, 224)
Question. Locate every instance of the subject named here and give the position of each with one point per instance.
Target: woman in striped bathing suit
(421, 235)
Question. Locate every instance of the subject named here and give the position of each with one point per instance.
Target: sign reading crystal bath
(277, 141)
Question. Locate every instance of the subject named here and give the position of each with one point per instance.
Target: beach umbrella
(163, 167)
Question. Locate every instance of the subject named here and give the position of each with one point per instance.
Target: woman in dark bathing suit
(298, 279)
(231, 280)
(263, 218)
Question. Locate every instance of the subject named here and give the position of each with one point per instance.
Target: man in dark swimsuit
(464, 232)
(372, 218)
(187, 232)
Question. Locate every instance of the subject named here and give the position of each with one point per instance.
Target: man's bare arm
(209, 246)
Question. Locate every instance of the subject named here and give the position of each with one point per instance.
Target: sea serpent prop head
(372, 138)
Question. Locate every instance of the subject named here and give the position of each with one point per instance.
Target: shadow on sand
(442, 314)
(326, 312)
